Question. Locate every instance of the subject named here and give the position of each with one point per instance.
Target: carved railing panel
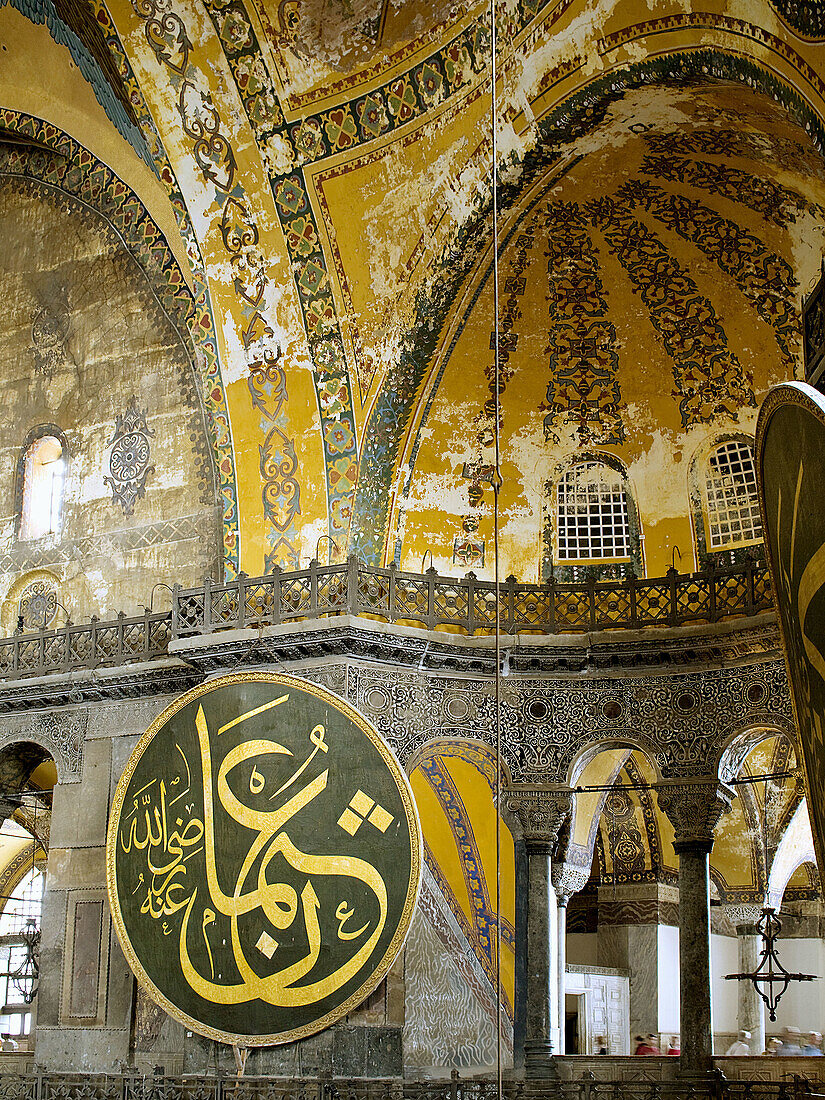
(467, 605)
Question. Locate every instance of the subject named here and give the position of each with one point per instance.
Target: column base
(539, 1061)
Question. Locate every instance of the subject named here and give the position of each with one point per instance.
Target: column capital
(693, 807)
(535, 813)
(743, 916)
(568, 880)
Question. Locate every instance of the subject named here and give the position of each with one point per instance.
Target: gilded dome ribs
(709, 378)
(583, 387)
(776, 203)
(764, 278)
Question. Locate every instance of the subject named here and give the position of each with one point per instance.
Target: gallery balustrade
(466, 606)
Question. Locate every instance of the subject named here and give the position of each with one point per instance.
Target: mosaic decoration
(408, 97)
(43, 12)
(49, 332)
(468, 547)
(764, 278)
(728, 143)
(778, 204)
(129, 458)
(203, 331)
(386, 427)
(583, 387)
(75, 172)
(38, 605)
(213, 153)
(805, 16)
(709, 378)
(483, 935)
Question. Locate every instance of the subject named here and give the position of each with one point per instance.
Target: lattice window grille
(733, 501)
(592, 513)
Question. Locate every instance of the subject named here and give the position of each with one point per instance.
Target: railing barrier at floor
(69, 1086)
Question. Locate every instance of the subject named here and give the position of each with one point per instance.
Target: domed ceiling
(650, 286)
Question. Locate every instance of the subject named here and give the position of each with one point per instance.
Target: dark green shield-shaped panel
(263, 858)
(790, 461)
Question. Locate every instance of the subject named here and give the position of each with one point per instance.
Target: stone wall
(88, 354)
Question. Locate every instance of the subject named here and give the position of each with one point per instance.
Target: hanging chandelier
(770, 978)
(26, 977)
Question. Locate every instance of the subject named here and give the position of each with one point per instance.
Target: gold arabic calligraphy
(163, 828)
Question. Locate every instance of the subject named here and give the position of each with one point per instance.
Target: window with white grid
(592, 513)
(733, 502)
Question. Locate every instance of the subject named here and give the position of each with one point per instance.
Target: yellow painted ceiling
(322, 173)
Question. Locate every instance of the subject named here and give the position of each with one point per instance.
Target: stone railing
(69, 1086)
(466, 606)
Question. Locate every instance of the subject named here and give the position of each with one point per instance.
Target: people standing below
(9, 1044)
(774, 1047)
(601, 1044)
(643, 1046)
(674, 1047)
(740, 1048)
(653, 1043)
(791, 1042)
(813, 1047)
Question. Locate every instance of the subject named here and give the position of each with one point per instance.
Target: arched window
(44, 476)
(22, 911)
(731, 498)
(592, 514)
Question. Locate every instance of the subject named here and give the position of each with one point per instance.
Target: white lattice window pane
(733, 502)
(592, 513)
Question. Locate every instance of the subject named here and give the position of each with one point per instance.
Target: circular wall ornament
(263, 859)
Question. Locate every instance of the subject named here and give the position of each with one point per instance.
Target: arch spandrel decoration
(291, 854)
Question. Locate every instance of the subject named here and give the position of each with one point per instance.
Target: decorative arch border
(18, 867)
(574, 116)
(72, 169)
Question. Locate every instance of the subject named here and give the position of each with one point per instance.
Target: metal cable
(496, 484)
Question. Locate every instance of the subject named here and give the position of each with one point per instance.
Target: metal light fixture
(770, 979)
(27, 976)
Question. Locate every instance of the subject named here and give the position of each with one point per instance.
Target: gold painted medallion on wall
(263, 859)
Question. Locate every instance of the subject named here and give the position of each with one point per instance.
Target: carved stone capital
(693, 807)
(536, 814)
(743, 916)
(568, 880)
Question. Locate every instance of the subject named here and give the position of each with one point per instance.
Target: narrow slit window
(592, 513)
(44, 475)
(732, 498)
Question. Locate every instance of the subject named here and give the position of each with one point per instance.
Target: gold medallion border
(802, 396)
(416, 854)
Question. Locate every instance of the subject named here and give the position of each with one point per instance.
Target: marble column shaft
(535, 816)
(561, 923)
(694, 956)
(694, 807)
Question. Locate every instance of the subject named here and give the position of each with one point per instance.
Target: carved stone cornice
(694, 807)
(536, 814)
(568, 880)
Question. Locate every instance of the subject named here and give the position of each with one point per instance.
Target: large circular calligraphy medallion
(263, 858)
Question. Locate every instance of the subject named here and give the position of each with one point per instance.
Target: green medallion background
(310, 815)
(790, 446)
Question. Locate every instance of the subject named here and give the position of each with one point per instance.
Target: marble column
(694, 808)
(567, 880)
(535, 816)
(751, 1010)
